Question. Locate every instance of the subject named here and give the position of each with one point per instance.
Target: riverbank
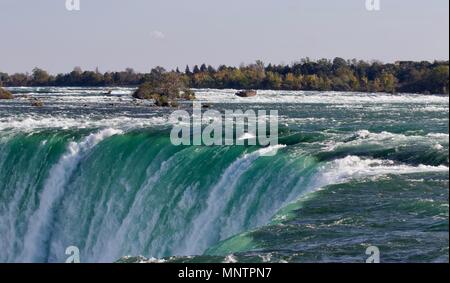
(305, 75)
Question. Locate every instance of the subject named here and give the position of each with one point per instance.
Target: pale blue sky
(115, 34)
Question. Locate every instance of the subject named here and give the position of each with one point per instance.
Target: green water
(100, 173)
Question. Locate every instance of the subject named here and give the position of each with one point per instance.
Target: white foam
(386, 138)
(29, 123)
(110, 251)
(218, 198)
(438, 135)
(230, 259)
(438, 146)
(72, 91)
(311, 97)
(151, 260)
(354, 167)
(365, 134)
(53, 190)
(432, 103)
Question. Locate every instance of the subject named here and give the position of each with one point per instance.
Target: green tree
(438, 80)
(273, 80)
(165, 91)
(388, 82)
(40, 77)
(196, 69)
(292, 82)
(187, 71)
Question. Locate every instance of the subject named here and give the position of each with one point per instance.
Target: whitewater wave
(385, 140)
(32, 123)
(40, 222)
(70, 91)
(219, 196)
(384, 135)
(311, 97)
(353, 167)
(349, 169)
(106, 250)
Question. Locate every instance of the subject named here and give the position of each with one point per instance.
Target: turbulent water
(98, 171)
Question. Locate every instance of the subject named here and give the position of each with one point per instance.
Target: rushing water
(99, 172)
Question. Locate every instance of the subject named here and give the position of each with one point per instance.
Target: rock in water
(247, 93)
(36, 102)
(4, 94)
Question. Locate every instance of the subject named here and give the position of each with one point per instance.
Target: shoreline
(335, 74)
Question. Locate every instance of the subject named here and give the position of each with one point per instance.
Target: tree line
(318, 75)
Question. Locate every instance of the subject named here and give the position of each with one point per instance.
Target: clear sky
(141, 34)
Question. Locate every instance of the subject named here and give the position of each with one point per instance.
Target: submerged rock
(36, 102)
(4, 94)
(206, 106)
(247, 93)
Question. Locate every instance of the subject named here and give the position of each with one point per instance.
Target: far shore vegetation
(320, 75)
